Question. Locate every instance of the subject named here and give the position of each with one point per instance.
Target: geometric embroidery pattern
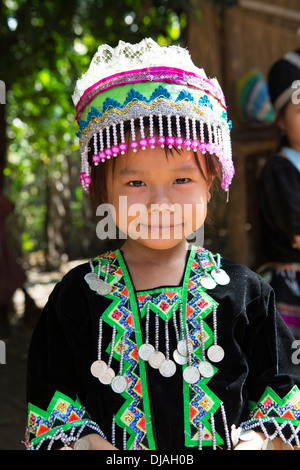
(271, 405)
(61, 412)
(199, 400)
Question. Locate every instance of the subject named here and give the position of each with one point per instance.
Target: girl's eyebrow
(181, 168)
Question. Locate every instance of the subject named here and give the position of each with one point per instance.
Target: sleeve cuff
(64, 422)
(276, 417)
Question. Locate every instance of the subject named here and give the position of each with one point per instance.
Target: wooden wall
(227, 43)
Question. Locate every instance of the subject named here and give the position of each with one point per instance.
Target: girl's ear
(280, 121)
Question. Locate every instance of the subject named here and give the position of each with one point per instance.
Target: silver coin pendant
(95, 284)
(145, 350)
(208, 283)
(182, 347)
(220, 276)
(181, 360)
(104, 288)
(167, 368)
(90, 277)
(98, 368)
(215, 353)
(119, 384)
(206, 369)
(156, 359)
(191, 374)
(107, 377)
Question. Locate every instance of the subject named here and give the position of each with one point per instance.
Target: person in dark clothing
(279, 193)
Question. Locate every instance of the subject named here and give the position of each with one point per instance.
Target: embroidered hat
(281, 77)
(137, 83)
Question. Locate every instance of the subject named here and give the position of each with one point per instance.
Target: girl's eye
(182, 180)
(136, 183)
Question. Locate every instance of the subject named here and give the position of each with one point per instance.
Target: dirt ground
(13, 408)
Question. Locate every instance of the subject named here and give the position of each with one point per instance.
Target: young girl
(159, 345)
(279, 190)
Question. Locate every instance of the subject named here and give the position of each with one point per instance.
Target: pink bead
(195, 144)
(108, 152)
(123, 147)
(161, 141)
(87, 179)
(115, 150)
(170, 141)
(202, 148)
(96, 159)
(143, 143)
(179, 142)
(151, 141)
(187, 143)
(134, 146)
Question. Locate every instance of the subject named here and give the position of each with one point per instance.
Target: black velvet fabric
(256, 341)
(279, 198)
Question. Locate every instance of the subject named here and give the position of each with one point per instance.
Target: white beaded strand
(227, 434)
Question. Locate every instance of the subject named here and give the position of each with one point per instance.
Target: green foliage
(48, 44)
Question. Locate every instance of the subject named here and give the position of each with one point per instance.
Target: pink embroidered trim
(161, 74)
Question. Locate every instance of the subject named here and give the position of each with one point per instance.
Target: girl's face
(289, 121)
(159, 200)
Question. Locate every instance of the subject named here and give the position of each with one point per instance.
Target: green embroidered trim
(139, 341)
(271, 405)
(62, 413)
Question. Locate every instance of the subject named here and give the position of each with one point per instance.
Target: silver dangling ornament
(215, 353)
(206, 369)
(146, 349)
(119, 382)
(219, 275)
(167, 367)
(191, 373)
(207, 281)
(181, 354)
(156, 358)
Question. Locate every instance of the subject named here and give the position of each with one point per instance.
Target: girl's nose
(160, 197)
